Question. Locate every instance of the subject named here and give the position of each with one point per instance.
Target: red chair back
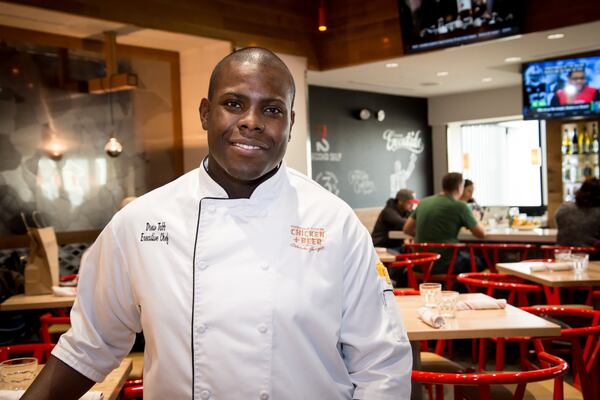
(48, 320)
(492, 251)
(41, 351)
(132, 392)
(548, 250)
(584, 344)
(449, 276)
(410, 260)
(553, 368)
(515, 289)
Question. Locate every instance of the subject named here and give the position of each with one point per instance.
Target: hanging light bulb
(53, 146)
(322, 17)
(113, 147)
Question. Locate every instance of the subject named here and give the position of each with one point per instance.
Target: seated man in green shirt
(438, 219)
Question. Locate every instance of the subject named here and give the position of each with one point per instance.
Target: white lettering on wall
(410, 141)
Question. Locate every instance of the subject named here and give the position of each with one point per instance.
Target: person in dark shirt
(392, 218)
(578, 223)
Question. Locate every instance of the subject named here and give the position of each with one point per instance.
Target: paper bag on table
(42, 269)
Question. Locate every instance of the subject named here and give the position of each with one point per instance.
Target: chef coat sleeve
(105, 317)
(376, 349)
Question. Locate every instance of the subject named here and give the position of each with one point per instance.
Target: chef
(248, 279)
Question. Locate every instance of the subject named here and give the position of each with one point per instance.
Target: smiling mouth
(246, 146)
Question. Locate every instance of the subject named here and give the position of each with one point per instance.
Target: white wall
(298, 148)
(196, 65)
(502, 103)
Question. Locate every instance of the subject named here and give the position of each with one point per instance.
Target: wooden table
(469, 324)
(473, 324)
(40, 302)
(112, 385)
(504, 235)
(385, 256)
(552, 281)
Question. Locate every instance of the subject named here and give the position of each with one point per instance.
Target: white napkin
(481, 304)
(555, 266)
(431, 317)
(16, 395)
(64, 291)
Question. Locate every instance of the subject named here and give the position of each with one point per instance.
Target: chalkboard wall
(365, 162)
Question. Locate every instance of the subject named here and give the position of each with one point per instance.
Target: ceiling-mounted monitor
(564, 87)
(434, 24)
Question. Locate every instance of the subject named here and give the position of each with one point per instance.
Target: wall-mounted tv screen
(565, 87)
(433, 24)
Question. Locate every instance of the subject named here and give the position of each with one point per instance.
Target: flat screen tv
(433, 24)
(566, 87)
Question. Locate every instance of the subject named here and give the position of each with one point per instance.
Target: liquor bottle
(574, 142)
(465, 13)
(566, 147)
(596, 170)
(595, 142)
(587, 170)
(587, 141)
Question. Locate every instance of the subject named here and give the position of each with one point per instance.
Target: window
(504, 160)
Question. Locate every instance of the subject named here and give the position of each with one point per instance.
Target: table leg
(552, 295)
(417, 388)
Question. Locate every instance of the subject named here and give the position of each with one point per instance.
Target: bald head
(255, 55)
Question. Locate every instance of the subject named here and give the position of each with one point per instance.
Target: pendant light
(113, 147)
(322, 17)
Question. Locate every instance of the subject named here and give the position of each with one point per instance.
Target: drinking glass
(18, 373)
(429, 293)
(580, 261)
(562, 255)
(446, 302)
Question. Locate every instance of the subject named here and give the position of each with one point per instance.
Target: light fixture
(113, 148)
(391, 65)
(322, 17)
(512, 59)
(554, 36)
(486, 79)
(442, 73)
(54, 148)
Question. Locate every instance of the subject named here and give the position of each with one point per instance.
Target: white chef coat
(271, 297)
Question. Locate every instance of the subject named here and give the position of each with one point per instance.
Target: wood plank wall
(359, 31)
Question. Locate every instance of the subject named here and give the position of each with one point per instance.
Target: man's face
(248, 119)
(407, 205)
(577, 79)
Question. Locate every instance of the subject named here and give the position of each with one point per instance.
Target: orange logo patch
(309, 239)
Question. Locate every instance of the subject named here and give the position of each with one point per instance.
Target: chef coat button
(264, 395)
(264, 266)
(202, 328)
(205, 394)
(262, 328)
(202, 265)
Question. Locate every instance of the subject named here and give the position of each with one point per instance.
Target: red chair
(516, 292)
(492, 251)
(410, 260)
(513, 288)
(41, 351)
(447, 277)
(582, 344)
(131, 392)
(51, 326)
(553, 368)
(548, 250)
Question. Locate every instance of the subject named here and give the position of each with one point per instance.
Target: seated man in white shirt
(248, 279)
